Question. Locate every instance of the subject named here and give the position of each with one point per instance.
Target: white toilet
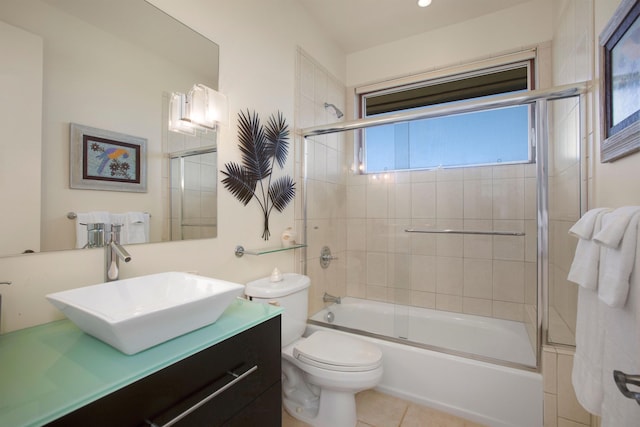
(321, 373)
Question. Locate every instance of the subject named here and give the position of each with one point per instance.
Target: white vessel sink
(135, 314)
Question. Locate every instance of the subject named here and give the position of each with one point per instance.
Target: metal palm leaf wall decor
(261, 148)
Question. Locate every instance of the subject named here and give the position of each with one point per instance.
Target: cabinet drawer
(265, 411)
(164, 395)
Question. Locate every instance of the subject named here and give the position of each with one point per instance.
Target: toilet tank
(290, 293)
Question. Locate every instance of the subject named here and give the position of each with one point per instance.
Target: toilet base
(341, 413)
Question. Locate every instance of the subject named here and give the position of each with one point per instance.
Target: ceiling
(360, 24)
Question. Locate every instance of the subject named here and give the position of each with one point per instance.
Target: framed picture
(620, 83)
(106, 160)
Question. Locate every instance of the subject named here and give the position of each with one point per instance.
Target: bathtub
(450, 369)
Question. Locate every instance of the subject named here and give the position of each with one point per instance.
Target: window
(470, 139)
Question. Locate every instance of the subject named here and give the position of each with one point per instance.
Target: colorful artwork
(106, 160)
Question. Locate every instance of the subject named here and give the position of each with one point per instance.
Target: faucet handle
(326, 257)
(116, 229)
(95, 235)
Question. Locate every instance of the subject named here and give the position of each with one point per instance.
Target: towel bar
(622, 380)
(73, 215)
(485, 233)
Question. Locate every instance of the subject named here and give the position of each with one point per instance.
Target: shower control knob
(326, 257)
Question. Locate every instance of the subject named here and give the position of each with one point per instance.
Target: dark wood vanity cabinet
(233, 383)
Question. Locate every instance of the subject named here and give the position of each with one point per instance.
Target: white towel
(584, 268)
(611, 233)
(616, 264)
(137, 227)
(585, 227)
(587, 362)
(622, 347)
(101, 217)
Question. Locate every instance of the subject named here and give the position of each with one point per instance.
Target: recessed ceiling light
(424, 3)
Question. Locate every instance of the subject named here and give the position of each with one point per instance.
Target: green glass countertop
(50, 370)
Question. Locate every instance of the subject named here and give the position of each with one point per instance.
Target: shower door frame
(537, 98)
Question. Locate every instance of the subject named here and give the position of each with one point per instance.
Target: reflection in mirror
(193, 194)
(107, 64)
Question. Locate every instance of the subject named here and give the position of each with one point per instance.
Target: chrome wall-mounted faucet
(114, 253)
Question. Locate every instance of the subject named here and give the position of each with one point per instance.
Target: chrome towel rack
(484, 233)
(73, 215)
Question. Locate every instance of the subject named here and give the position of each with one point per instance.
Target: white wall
(504, 31)
(257, 67)
(21, 81)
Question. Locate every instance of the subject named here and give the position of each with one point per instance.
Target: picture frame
(620, 83)
(107, 160)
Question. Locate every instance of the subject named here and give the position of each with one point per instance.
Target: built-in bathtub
(443, 360)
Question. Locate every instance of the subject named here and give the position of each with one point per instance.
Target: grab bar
(622, 380)
(237, 378)
(485, 233)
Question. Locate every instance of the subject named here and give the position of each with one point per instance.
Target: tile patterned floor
(376, 409)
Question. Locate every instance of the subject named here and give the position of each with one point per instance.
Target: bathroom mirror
(105, 64)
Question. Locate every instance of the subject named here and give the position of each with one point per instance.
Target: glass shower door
(565, 204)
(193, 195)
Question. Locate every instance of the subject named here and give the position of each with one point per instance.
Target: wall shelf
(240, 250)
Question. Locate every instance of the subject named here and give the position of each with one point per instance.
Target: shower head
(336, 109)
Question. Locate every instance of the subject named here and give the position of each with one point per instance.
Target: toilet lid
(338, 352)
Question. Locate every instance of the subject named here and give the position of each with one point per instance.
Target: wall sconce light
(177, 113)
(201, 109)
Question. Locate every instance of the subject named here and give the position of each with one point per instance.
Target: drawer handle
(237, 379)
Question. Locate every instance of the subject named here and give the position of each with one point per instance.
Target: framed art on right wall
(620, 83)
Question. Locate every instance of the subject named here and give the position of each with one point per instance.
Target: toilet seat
(337, 352)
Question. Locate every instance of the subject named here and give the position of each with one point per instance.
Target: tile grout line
(404, 414)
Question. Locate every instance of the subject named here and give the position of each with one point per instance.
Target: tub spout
(330, 298)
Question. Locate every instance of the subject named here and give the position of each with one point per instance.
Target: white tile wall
(485, 275)
(561, 407)
(572, 49)
(330, 201)
(571, 45)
